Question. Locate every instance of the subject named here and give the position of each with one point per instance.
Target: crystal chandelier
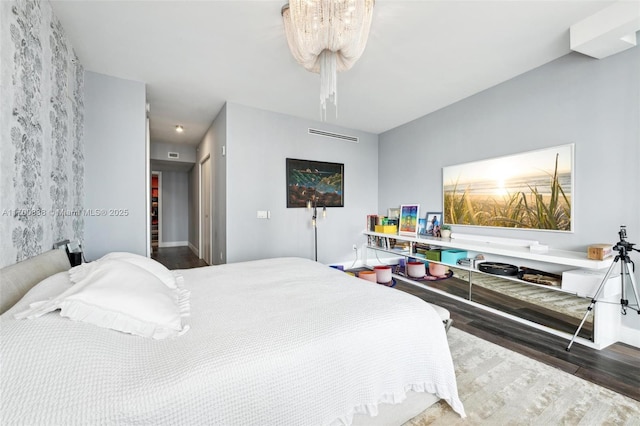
(326, 37)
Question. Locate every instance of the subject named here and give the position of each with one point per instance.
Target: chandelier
(327, 37)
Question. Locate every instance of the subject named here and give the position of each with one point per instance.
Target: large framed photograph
(409, 219)
(531, 190)
(308, 180)
(434, 221)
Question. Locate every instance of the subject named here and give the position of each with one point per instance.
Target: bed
(282, 341)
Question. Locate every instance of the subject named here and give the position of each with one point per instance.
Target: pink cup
(383, 273)
(416, 269)
(437, 269)
(367, 275)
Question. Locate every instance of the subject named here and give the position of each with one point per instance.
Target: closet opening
(156, 191)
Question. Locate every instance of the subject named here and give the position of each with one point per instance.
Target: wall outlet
(355, 247)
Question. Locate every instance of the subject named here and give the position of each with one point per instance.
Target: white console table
(606, 317)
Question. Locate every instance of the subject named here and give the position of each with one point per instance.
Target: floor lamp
(313, 204)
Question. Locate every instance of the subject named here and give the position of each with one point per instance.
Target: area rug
(501, 387)
(558, 301)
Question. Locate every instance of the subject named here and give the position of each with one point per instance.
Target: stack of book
(376, 223)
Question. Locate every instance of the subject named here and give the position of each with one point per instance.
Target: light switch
(263, 214)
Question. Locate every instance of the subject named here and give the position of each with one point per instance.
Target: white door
(205, 215)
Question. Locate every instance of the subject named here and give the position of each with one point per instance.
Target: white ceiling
(421, 56)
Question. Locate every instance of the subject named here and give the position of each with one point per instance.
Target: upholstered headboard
(16, 280)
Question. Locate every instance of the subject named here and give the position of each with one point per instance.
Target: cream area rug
(500, 387)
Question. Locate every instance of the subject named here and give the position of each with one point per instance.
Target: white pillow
(45, 290)
(156, 268)
(121, 296)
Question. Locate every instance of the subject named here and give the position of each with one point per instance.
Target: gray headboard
(16, 280)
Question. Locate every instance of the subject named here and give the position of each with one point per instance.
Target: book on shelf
(380, 242)
(372, 221)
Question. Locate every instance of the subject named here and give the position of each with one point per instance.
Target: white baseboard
(173, 243)
(629, 335)
(195, 250)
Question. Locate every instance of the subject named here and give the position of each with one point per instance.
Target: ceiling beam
(607, 32)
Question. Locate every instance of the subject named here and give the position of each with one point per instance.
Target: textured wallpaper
(41, 126)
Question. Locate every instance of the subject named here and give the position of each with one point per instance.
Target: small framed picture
(393, 213)
(434, 221)
(422, 226)
(409, 219)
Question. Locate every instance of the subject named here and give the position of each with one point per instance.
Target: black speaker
(75, 258)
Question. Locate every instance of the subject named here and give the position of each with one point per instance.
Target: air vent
(353, 139)
(174, 155)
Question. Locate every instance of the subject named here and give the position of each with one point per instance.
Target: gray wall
(258, 142)
(115, 164)
(214, 141)
(252, 177)
(575, 99)
(174, 217)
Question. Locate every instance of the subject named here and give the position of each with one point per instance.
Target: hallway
(177, 257)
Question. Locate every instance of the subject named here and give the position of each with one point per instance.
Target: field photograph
(529, 191)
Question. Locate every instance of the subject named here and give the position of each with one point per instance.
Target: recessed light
(179, 128)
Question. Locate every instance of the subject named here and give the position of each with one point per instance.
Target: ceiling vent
(174, 155)
(353, 139)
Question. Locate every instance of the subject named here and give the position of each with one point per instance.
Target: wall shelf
(558, 257)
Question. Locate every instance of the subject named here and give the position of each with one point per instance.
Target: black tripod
(623, 248)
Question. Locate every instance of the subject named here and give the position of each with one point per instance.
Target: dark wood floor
(617, 367)
(177, 257)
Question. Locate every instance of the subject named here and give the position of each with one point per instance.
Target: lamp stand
(313, 204)
(315, 240)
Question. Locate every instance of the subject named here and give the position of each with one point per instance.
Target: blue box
(450, 257)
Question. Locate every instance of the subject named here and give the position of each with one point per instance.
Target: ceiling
(421, 56)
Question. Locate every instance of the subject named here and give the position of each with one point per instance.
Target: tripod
(623, 248)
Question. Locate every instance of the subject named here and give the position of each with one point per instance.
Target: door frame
(200, 218)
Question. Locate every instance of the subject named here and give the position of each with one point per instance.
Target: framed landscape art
(308, 179)
(532, 190)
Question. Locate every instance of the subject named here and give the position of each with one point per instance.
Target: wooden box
(599, 251)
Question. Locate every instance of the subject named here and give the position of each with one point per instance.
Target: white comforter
(272, 342)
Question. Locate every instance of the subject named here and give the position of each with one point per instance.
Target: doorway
(205, 209)
(156, 209)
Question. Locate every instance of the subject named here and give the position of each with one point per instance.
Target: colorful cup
(416, 269)
(367, 275)
(383, 273)
(437, 269)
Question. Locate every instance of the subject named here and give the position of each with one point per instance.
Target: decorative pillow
(156, 268)
(121, 296)
(45, 290)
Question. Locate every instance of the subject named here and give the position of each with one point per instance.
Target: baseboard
(195, 250)
(173, 243)
(629, 335)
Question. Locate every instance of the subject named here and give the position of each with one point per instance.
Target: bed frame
(16, 280)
